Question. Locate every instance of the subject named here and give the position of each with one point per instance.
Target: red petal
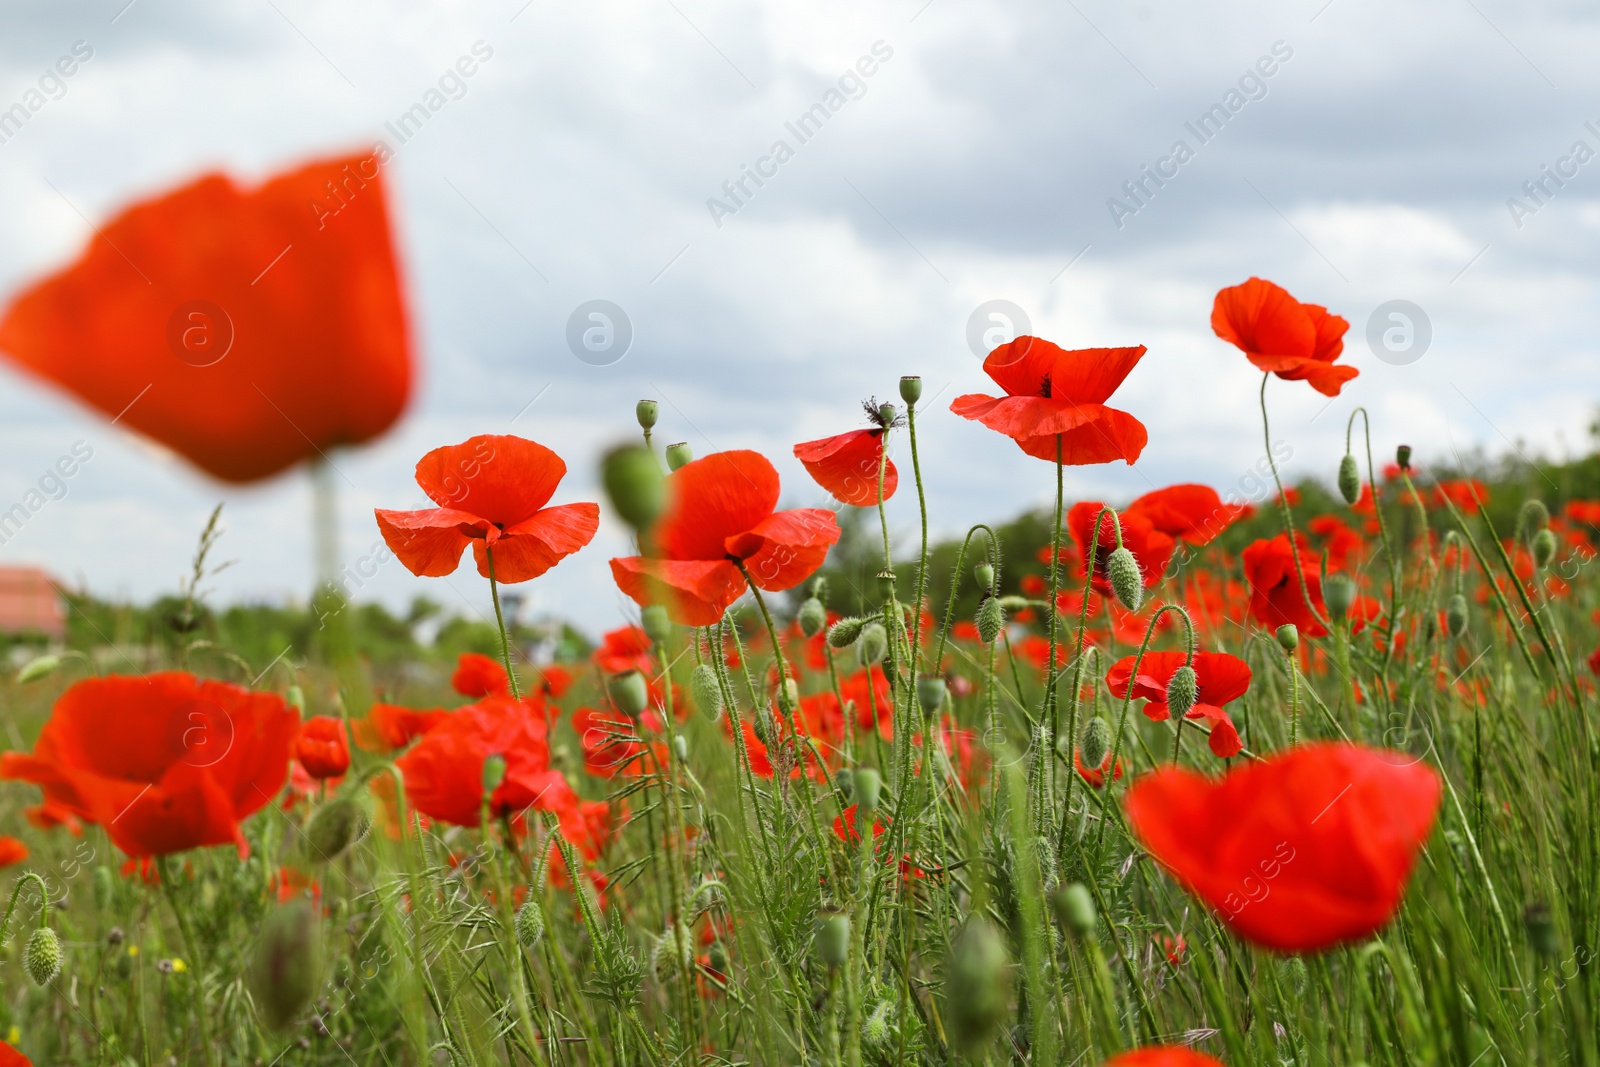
(694, 592)
(847, 466)
(1084, 375)
(713, 498)
(784, 549)
(1262, 319)
(429, 542)
(1195, 513)
(503, 478)
(534, 545)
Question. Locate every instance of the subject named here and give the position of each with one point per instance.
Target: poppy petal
(847, 465)
(1262, 319)
(1032, 366)
(531, 547)
(785, 548)
(504, 478)
(428, 542)
(1330, 332)
(1192, 512)
(713, 498)
(694, 592)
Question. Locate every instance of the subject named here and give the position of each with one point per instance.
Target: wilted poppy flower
(235, 327)
(12, 851)
(477, 675)
(1055, 402)
(721, 514)
(1275, 594)
(321, 747)
(1280, 335)
(444, 771)
(1304, 850)
(1219, 678)
(846, 465)
(1151, 547)
(1188, 512)
(164, 763)
(1163, 1056)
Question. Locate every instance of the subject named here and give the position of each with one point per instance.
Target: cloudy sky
(978, 162)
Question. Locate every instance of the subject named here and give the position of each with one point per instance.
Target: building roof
(30, 603)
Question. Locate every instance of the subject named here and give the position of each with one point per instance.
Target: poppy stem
(922, 559)
(500, 620)
(1052, 705)
(1288, 516)
(16, 891)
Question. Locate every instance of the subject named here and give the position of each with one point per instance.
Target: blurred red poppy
(321, 747)
(1304, 850)
(1275, 594)
(12, 851)
(1219, 678)
(1188, 512)
(1280, 335)
(1344, 545)
(611, 746)
(444, 771)
(1151, 547)
(1464, 493)
(624, 649)
(165, 762)
(477, 675)
(1096, 776)
(1163, 1056)
(1055, 402)
(10, 1057)
(390, 726)
(721, 513)
(846, 465)
(236, 328)
(491, 490)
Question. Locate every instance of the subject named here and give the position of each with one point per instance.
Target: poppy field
(1174, 781)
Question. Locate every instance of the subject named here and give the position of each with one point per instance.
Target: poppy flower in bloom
(235, 327)
(608, 748)
(1055, 402)
(1151, 547)
(491, 490)
(390, 726)
(1280, 335)
(10, 1057)
(444, 771)
(1344, 544)
(624, 649)
(165, 762)
(12, 851)
(847, 465)
(1465, 493)
(1096, 776)
(321, 747)
(1219, 678)
(1275, 593)
(1163, 1056)
(721, 514)
(1584, 511)
(477, 675)
(1304, 850)
(1188, 512)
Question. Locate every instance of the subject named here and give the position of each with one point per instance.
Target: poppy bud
(1402, 457)
(296, 699)
(1123, 571)
(493, 773)
(869, 786)
(1013, 603)
(655, 623)
(843, 633)
(42, 956)
(911, 388)
(990, 620)
(38, 667)
(1533, 517)
(1349, 479)
(1288, 637)
(788, 696)
(646, 413)
(1074, 907)
(1541, 927)
(1339, 593)
(1183, 689)
(1095, 743)
(633, 482)
(931, 692)
(812, 616)
(717, 957)
(340, 823)
(284, 969)
(1455, 616)
(833, 940)
(678, 455)
(628, 692)
(844, 779)
(819, 588)
(983, 574)
(705, 692)
(529, 924)
(874, 644)
(975, 985)
(875, 1031)
(1296, 975)
(680, 745)
(886, 584)
(1543, 547)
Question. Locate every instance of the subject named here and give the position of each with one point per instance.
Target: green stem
(500, 621)
(1288, 515)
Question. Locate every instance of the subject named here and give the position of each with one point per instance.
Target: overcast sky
(977, 162)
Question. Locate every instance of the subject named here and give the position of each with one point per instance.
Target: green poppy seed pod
(680, 745)
(1288, 637)
(340, 823)
(717, 957)
(1456, 616)
(1094, 745)
(886, 584)
(812, 616)
(493, 773)
(910, 388)
(628, 692)
(1349, 479)
(990, 619)
(38, 668)
(1074, 906)
(1402, 457)
(873, 645)
(1183, 689)
(634, 484)
(1123, 572)
(875, 1031)
(1533, 517)
(1339, 593)
(704, 691)
(646, 412)
(656, 624)
(285, 968)
(983, 574)
(843, 633)
(296, 699)
(931, 693)
(529, 923)
(887, 414)
(1543, 547)
(1541, 928)
(975, 985)
(42, 956)
(869, 788)
(679, 454)
(833, 940)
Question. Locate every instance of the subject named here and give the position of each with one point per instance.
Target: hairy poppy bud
(1339, 593)
(1123, 571)
(340, 823)
(1296, 975)
(705, 692)
(646, 413)
(1074, 906)
(678, 455)
(1541, 927)
(763, 725)
(1288, 637)
(788, 696)
(38, 668)
(990, 619)
(493, 773)
(717, 956)
(873, 645)
(910, 388)
(1402, 457)
(284, 969)
(886, 584)
(628, 692)
(843, 633)
(529, 924)
(1533, 517)
(844, 780)
(1349, 479)
(833, 940)
(975, 985)
(869, 786)
(656, 624)
(1543, 546)
(819, 588)
(875, 1031)
(1183, 689)
(680, 745)
(295, 698)
(42, 956)
(931, 692)
(1094, 745)
(812, 616)
(983, 574)
(634, 484)
(1456, 616)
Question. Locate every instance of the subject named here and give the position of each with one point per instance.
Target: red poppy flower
(1280, 335)
(721, 512)
(1193, 513)
(321, 747)
(624, 649)
(1219, 678)
(1275, 594)
(1151, 547)
(12, 851)
(165, 763)
(10, 1057)
(444, 771)
(844, 826)
(555, 680)
(1594, 662)
(1344, 544)
(1584, 511)
(1163, 1056)
(236, 328)
(846, 465)
(606, 750)
(1055, 402)
(1464, 493)
(477, 675)
(1096, 776)
(1304, 850)
(390, 726)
